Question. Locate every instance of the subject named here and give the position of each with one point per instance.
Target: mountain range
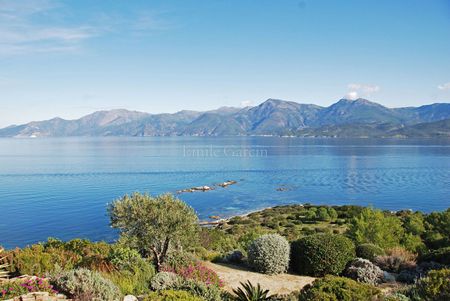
(345, 118)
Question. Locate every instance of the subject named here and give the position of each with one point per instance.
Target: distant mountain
(345, 118)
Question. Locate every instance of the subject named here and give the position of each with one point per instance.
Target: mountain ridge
(345, 118)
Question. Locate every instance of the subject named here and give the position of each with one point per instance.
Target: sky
(70, 58)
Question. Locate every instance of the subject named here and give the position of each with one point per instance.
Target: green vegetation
(164, 281)
(83, 284)
(322, 254)
(153, 225)
(161, 247)
(435, 286)
(269, 254)
(332, 288)
(249, 292)
(170, 295)
(369, 251)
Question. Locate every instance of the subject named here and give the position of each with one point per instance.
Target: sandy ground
(277, 284)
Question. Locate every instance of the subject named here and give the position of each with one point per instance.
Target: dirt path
(277, 284)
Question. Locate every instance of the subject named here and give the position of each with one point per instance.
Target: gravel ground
(277, 284)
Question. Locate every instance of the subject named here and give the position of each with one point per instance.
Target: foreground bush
(321, 254)
(10, 289)
(434, 287)
(396, 259)
(200, 289)
(164, 281)
(83, 284)
(369, 251)
(170, 295)
(332, 288)
(362, 270)
(269, 254)
(38, 260)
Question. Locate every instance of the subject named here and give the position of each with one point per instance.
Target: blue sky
(69, 58)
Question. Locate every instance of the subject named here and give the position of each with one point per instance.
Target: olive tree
(153, 225)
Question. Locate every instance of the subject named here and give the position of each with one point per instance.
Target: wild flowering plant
(198, 272)
(19, 287)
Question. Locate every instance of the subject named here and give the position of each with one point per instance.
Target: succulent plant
(249, 292)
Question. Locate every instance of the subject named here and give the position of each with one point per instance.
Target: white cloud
(352, 95)
(444, 87)
(246, 103)
(39, 26)
(21, 32)
(357, 90)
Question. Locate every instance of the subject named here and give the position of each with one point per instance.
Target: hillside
(345, 118)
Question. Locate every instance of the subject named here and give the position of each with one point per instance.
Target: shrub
(124, 258)
(369, 251)
(164, 280)
(200, 289)
(198, 272)
(362, 270)
(332, 288)
(374, 226)
(435, 286)
(178, 259)
(36, 260)
(269, 254)
(170, 295)
(321, 254)
(396, 259)
(10, 289)
(441, 255)
(249, 292)
(235, 257)
(83, 284)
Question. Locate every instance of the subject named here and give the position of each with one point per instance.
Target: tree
(322, 214)
(373, 226)
(154, 224)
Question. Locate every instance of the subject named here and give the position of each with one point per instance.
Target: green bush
(321, 254)
(134, 278)
(269, 254)
(200, 289)
(170, 295)
(83, 284)
(164, 280)
(332, 288)
(369, 251)
(38, 260)
(441, 255)
(434, 287)
(124, 258)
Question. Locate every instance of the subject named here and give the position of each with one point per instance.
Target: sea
(60, 187)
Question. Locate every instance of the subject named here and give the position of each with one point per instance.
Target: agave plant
(3, 266)
(249, 292)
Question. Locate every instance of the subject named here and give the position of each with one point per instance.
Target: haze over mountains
(345, 118)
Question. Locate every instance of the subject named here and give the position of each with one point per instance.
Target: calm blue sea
(59, 187)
